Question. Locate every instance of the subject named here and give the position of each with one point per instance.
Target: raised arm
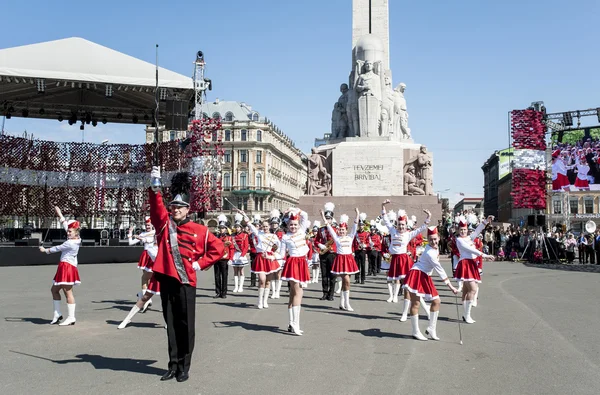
(418, 231)
(61, 218)
(386, 221)
(132, 241)
(158, 212)
(481, 227)
(249, 223)
(304, 222)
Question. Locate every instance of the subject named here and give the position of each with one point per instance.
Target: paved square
(536, 333)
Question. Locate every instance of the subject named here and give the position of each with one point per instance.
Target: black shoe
(362, 281)
(217, 296)
(182, 376)
(324, 297)
(330, 297)
(222, 297)
(290, 329)
(356, 282)
(169, 375)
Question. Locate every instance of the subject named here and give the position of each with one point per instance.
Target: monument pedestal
(371, 205)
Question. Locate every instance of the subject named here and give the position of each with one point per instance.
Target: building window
(227, 180)
(259, 135)
(255, 117)
(216, 116)
(228, 117)
(243, 180)
(258, 156)
(258, 180)
(557, 206)
(227, 156)
(172, 135)
(214, 135)
(588, 203)
(244, 135)
(573, 205)
(227, 135)
(244, 156)
(205, 115)
(226, 205)
(242, 203)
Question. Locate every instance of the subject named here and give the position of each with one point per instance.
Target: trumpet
(327, 247)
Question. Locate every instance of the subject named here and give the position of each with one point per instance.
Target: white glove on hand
(230, 262)
(196, 266)
(155, 173)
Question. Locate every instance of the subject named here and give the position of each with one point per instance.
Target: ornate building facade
(262, 169)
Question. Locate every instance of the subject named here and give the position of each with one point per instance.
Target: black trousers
(179, 311)
(360, 257)
(590, 254)
(252, 275)
(221, 272)
(374, 261)
(328, 281)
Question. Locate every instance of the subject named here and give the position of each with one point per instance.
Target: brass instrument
(327, 247)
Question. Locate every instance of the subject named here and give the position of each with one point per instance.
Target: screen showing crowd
(576, 160)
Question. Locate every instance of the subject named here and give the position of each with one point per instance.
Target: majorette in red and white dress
(67, 273)
(559, 172)
(241, 244)
(582, 175)
(418, 280)
(401, 262)
(266, 246)
(150, 248)
(294, 249)
(153, 286)
(344, 262)
(467, 270)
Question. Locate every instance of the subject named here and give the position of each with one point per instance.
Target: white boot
(405, 310)
(318, 274)
(291, 324)
(432, 325)
(71, 318)
(346, 296)
(476, 297)
(266, 298)
(57, 315)
(147, 304)
(397, 289)
(391, 289)
(426, 307)
(296, 317)
(338, 285)
(467, 304)
(313, 275)
(235, 284)
(460, 286)
(261, 294)
(274, 288)
(343, 301)
(279, 282)
(241, 285)
(127, 319)
(416, 332)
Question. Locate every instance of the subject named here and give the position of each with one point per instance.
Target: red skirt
(296, 269)
(344, 264)
(263, 265)
(466, 270)
(579, 183)
(561, 181)
(399, 266)
(418, 282)
(66, 274)
(153, 286)
(145, 262)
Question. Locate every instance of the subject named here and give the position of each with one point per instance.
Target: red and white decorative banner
(529, 164)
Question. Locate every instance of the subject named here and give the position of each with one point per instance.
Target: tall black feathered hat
(181, 183)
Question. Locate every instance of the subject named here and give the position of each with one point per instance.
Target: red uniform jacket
(361, 237)
(251, 243)
(376, 240)
(196, 243)
(228, 250)
(322, 237)
(411, 248)
(479, 245)
(311, 245)
(241, 239)
(453, 247)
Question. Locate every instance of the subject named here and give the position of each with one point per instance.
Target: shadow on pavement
(567, 267)
(376, 332)
(248, 326)
(126, 302)
(32, 320)
(137, 324)
(240, 305)
(100, 362)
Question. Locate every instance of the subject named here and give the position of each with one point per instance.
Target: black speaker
(531, 220)
(27, 243)
(176, 115)
(541, 220)
(88, 243)
(113, 242)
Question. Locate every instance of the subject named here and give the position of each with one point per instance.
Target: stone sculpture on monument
(368, 87)
(339, 118)
(400, 113)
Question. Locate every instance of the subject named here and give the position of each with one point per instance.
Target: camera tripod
(546, 247)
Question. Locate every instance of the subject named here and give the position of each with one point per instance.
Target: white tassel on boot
(338, 285)
(431, 329)
(476, 297)
(391, 289)
(57, 315)
(296, 324)
(416, 332)
(235, 284)
(279, 282)
(346, 297)
(397, 288)
(266, 298)
(405, 310)
(467, 304)
(426, 307)
(127, 319)
(71, 318)
(261, 294)
(241, 285)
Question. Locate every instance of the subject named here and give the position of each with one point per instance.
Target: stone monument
(371, 154)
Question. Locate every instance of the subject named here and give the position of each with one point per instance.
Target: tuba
(590, 226)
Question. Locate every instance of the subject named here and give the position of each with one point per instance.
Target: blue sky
(465, 63)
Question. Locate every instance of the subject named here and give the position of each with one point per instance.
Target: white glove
(230, 262)
(155, 173)
(196, 266)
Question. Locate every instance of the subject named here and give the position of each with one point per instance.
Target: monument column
(372, 17)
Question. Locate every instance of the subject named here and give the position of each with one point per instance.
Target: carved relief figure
(368, 88)
(421, 164)
(400, 113)
(319, 175)
(339, 119)
(387, 108)
(411, 183)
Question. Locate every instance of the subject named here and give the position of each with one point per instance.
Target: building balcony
(247, 190)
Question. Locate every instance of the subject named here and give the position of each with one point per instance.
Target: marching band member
(276, 229)
(67, 274)
(419, 284)
(184, 248)
(252, 242)
(315, 262)
(147, 258)
(478, 243)
(466, 270)
(360, 245)
(581, 181)
(266, 263)
(221, 267)
(374, 250)
(560, 180)
(401, 262)
(344, 264)
(326, 246)
(295, 271)
(239, 260)
(142, 303)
